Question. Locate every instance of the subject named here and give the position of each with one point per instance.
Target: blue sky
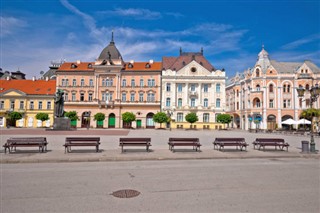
(36, 32)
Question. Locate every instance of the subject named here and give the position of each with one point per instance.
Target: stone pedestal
(61, 124)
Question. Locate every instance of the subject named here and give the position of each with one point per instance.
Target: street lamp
(314, 95)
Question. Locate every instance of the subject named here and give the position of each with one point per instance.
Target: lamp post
(314, 95)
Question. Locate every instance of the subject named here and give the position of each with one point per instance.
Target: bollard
(305, 146)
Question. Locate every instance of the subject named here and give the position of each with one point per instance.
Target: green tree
(160, 117)
(99, 117)
(224, 118)
(42, 116)
(310, 113)
(128, 117)
(72, 115)
(191, 117)
(14, 116)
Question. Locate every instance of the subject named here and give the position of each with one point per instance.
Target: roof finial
(180, 50)
(201, 50)
(263, 46)
(112, 36)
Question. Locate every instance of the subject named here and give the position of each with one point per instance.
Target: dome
(263, 53)
(110, 52)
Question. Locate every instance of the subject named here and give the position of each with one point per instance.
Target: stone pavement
(110, 150)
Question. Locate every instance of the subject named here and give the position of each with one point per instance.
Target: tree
(42, 116)
(72, 115)
(14, 116)
(191, 117)
(99, 117)
(128, 117)
(224, 118)
(160, 117)
(310, 113)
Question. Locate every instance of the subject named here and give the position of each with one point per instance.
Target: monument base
(61, 124)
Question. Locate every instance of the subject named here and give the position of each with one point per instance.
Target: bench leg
(97, 148)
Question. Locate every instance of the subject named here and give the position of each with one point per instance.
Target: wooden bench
(237, 142)
(194, 142)
(276, 142)
(81, 141)
(13, 143)
(135, 142)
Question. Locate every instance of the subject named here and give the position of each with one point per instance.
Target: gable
(193, 69)
(13, 92)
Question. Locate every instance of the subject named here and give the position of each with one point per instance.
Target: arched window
(217, 87)
(141, 83)
(285, 88)
(288, 88)
(168, 102)
(206, 117)
(258, 87)
(218, 103)
(307, 87)
(257, 73)
(180, 102)
(205, 102)
(256, 103)
(271, 88)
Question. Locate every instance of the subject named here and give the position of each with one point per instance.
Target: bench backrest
(27, 140)
(270, 140)
(82, 139)
(135, 139)
(183, 139)
(229, 140)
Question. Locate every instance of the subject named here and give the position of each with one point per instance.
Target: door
(139, 124)
(112, 121)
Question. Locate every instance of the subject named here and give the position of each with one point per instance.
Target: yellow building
(29, 97)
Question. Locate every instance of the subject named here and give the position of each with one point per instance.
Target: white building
(191, 84)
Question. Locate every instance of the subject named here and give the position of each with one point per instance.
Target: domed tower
(263, 60)
(110, 55)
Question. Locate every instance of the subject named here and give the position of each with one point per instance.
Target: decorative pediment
(13, 92)
(193, 69)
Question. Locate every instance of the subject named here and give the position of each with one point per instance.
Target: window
(21, 105)
(90, 97)
(66, 98)
(271, 88)
(81, 96)
(131, 97)
(31, 105)
(168, 89)
(205, 88)
(257, 73)
(258, 87)
(168, 102)
(1, 104)
(217, 87)
(141, 83)
(284, 103)
(124, 82)
(74, 82)
(141, 97)
(180, 117)
(49, 105)
(151, 82)
(300, 102)
(289, 103)
(91, 82)
(237, 93)
(40, 105)
(206, 117)
(73, 98)
(109, 82)
(271, 103)
(237, 105)
(63, 82)
(217, 115)
(205, 102)
(103, 82)
(307, 87)
(193, 102)
(106, 96)
(218, 103)
(288, 88)
(150, 97)
(180, 102)
(133, 83)
(82, 82)
(179, 87)
(284, 88)
(124, 97)
(193, 87)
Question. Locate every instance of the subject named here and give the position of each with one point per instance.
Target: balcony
(193, 93)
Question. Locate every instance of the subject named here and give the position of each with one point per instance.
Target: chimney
(131, 61)
(8, 78)
(33, 78)
(47, 78)
(78, 61)
(150, 61)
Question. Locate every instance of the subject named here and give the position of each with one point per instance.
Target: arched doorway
(85, 119)
(112, 120)
(236, 120)
(150, 122)
(271, 122)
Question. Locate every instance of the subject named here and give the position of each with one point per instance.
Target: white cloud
(137, 13)
(10, 24)
(302, 41)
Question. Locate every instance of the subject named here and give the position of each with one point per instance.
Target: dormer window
(73, 66)
(306, 70)
(148, 65)
(257, 73)
(183, 63)
(130, 65)
(90, 66)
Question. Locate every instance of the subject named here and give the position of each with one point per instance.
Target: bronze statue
(59, 104)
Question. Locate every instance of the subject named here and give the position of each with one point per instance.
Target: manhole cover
(126, 193)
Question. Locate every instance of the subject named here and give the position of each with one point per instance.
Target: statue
(59, 104)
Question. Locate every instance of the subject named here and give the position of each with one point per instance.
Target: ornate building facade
(191, 84)
(265, 95)
(28, 97)
(111, 86)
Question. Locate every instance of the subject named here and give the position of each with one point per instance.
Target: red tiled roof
(176, 63)
(142, 66)
(74, 66)
(30, 87)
